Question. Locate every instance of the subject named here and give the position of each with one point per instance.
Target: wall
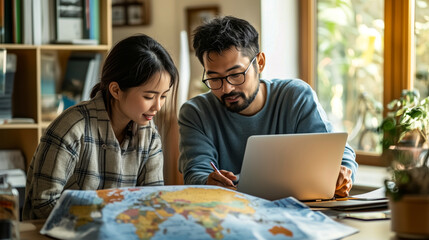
(169, 18)
(279, 41)
(163, 26)
(276, 20)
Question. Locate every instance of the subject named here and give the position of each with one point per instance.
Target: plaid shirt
(80, 151)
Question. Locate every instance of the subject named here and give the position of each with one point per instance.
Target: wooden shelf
(69, 47)
(27, 97)
(17, 46)
(44, 125)
(19, 126)
(75, 47)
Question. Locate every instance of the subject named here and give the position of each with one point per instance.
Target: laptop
(305, 166)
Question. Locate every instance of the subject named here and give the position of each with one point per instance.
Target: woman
(111, 140)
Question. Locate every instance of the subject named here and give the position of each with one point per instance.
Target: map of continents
(184, 212)
(205, 207)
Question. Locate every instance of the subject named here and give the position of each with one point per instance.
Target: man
(214, 126)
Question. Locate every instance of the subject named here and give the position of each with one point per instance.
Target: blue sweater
(209, 132)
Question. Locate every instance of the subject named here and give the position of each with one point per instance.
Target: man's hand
(224, 180)
(344, 182)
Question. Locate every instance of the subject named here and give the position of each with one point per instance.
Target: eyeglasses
(234, 79)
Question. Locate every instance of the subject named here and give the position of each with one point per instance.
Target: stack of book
(50, 21)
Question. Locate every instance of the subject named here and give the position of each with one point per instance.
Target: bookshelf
(27, 85)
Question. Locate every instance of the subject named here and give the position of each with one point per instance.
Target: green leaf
(388, 124)
(394, 103)
(416, 112)
(400, 112)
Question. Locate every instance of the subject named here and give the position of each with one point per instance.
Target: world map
(184, 212)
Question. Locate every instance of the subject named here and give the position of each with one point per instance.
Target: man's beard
(235, 107)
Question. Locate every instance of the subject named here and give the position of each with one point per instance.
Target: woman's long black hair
(131, 63)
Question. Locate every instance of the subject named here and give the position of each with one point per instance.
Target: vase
(410, 216)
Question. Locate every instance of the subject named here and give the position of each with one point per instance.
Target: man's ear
(114, 90)
(260, 59)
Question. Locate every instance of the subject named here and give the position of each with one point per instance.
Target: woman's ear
(260, 59)
(114, 90)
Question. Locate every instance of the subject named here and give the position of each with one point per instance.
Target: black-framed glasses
(234, 79)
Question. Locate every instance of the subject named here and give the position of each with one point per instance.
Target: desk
(375, 230)
(29, 230)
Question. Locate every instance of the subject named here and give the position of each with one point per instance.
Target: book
(48, 21)
(3, 53)
(27, 22)
(37, 22)
(6, 98)
(8, 21)
(52, 22)
(75, 76)
(92, 77)
(86, 19)
(2, 33)
(17, 32)
(94, 14)
(82, 69)
(77, 41)
(69, 20)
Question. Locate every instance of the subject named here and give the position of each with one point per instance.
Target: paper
(366, 216)
(374, 195)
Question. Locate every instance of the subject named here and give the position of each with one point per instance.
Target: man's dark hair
(222, 33)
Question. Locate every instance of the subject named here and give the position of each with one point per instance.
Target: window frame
(398, 54)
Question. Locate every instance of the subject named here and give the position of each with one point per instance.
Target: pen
(217, 170)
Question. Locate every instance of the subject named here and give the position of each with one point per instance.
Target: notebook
(305, 166)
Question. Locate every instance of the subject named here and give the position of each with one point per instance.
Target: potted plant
(405, 143)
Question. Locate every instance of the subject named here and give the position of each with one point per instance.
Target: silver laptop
(305, 166)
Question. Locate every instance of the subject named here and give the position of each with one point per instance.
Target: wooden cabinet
(27, 85)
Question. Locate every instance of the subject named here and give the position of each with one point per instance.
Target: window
(349, 67)
(421, 33)
(356, 54)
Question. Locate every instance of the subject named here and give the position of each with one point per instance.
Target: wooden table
(375, 230)
(29, 230)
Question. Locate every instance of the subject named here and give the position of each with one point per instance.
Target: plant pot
(410, 216)
(405, 157)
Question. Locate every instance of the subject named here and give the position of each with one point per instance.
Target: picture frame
(130, 12)
(118, 15)
(196, 16)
